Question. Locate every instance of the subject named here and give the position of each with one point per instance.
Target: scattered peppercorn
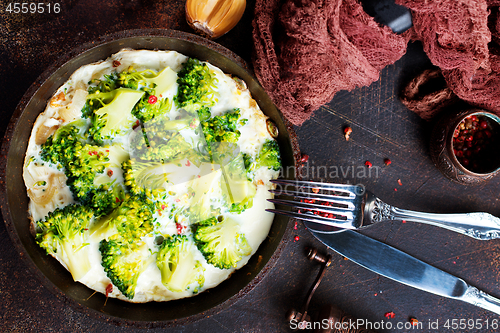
(387, 161)
(347, 132)
(368, 164)
(109, 289)
(390, 315)
(152, 99)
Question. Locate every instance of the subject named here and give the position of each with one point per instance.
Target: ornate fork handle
(481, 226)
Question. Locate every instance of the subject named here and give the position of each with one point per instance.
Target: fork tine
(341, 200)
(351, 190)
(345, 211)
(314, 218)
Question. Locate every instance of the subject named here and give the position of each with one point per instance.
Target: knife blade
(403, 268)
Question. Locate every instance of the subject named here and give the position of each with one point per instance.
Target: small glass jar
(465, 146)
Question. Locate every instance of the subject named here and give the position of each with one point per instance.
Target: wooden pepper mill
(331, 319)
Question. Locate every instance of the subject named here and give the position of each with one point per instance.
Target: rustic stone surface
(382, 127)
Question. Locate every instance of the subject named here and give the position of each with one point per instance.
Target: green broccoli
(123, 261)
(59, 148)
(124, 253)
(63, 233)
(90, 173)
(220, 241)
(154, 85)
(132, 219)
(197, 86)
(223, 128)
(269, 157)
(99, 86)
(237, 189)
(160, 140)
(179, 270)
(145, 178)
(113, 116)
(89, 168)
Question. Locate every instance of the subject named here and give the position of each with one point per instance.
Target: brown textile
(307, 50)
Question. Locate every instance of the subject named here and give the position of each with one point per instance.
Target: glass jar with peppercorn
(465, 146)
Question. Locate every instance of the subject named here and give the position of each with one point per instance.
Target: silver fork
(352, 207)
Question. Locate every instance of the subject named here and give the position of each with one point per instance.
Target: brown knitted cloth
(307, 50)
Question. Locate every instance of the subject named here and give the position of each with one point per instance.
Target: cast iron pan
(14, 199)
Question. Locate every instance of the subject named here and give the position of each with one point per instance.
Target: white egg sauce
(47, 189)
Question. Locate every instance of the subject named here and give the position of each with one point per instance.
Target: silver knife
(401, 267)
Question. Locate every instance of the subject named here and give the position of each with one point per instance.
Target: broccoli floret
(90, 176)
(197, 86)
(123, 261)
(124, 253)
(220, 241)
(269, 157)
(88, 168)
(132, 219)
(223, 128)
(237, 189)
(179, 270)
(160, 140)
(113, 116)
(154, 85)
(99, 86)
(63, 233)
(145, 178)
(60, 147)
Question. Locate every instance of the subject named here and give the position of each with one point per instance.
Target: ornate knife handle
(479, 298)
(481, 226)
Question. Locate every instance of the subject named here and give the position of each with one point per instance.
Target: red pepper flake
(136, 124)
(117, 199)
(390, 315)
(368, 164)
(152, 99)
(296, 238)
(295, 226)
(179, 228)
(163, 207)
(116, 63)
(315, 190)
(347, 132)
(413, 321)
(110, 173)
(404, 221)
(109, 289)
(177, 200)
(304, 158)
(399, 182)
(395, 189)
(387, 161)
(188, 163)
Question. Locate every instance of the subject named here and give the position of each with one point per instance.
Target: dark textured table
(382, 128)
